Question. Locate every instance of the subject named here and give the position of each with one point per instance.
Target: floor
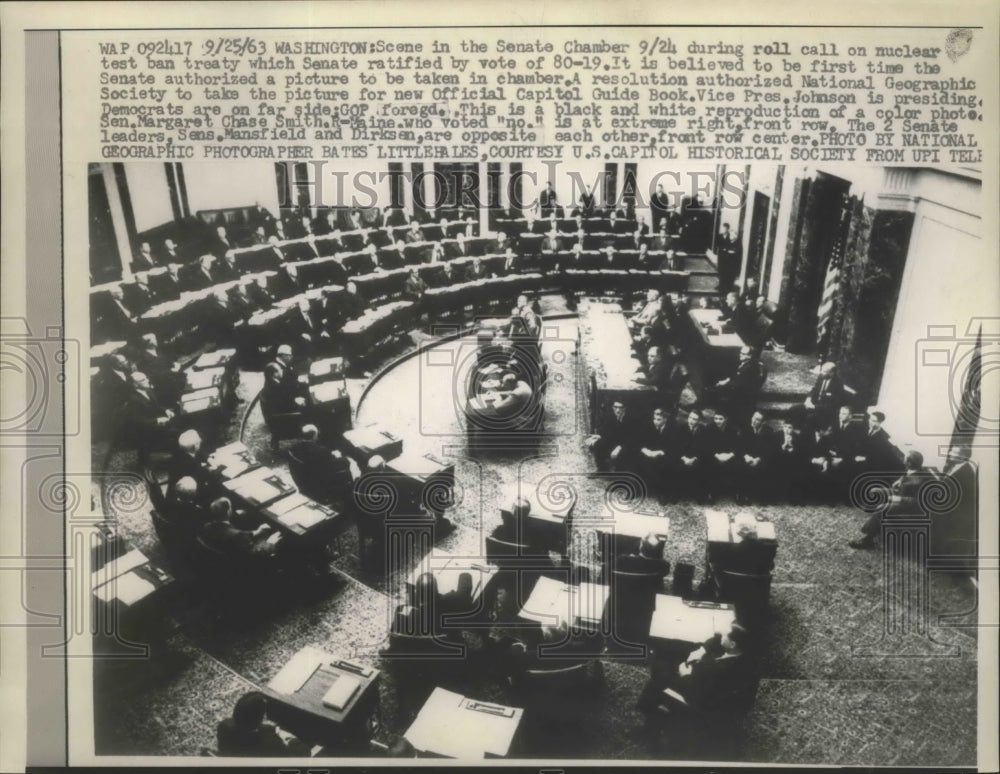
(835, 688)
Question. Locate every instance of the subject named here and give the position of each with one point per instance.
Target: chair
(633, 598)
(555, 702)
(683, 585)
(749, 592)
(317, 482)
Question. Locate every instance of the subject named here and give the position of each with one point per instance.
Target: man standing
(727, 250)
(281, 387)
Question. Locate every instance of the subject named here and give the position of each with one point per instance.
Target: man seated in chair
(650, 314)
(338, 472)
(611, 443)
(248, 733)
(707, 674)
(649, 560)
(244, 546)
(189, 460)
(902, 500)
(182, 513)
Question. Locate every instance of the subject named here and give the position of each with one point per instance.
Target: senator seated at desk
(702, 681)
(321, 471)
(248, 733)
(247, 548)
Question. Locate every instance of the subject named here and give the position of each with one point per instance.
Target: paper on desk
(549, 602)
(305, 516)
(230, 449)
(130, 588)
(297, 672)
(280, 507)
(340, 693)
(120, 566)
(437, 728)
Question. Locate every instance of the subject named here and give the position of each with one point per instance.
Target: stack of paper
(339, 695)
(297, 672)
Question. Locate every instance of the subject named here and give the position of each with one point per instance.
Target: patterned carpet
(834, 687)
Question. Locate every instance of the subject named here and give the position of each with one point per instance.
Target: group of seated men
(750, 461)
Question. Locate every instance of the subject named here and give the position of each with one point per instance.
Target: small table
(554, 603)
(363, 443)
(323, 699)
(678, 621)
(450, 725)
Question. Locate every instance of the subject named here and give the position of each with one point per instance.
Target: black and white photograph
(612, 470)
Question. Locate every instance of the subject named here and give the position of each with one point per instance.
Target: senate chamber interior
(504, 460)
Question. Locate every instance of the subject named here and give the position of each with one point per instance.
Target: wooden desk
(606, 345)
(232, 460)
(301, 517)
(365, 442)
(553, 603)
(680, 622)
(718, 352)
(296, 699)
(423, 479)
(450, 725)
(260, 487)
(128, 580)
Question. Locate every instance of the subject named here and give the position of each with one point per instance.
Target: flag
(828, 301)
(967, 420)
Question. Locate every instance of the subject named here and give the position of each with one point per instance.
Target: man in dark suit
(739, 392)
(827, 395)
(280, 394)
(414, 234)
(727, 251)
(147, 417)
(476, 271)
(335, 473)
(259, 295)
(202, 277)
(188, 461)
(649, 561)
(547, 201)
(247, 734)
(326, 224)
(691, 452)
(167, 381)
(875, 451)
(708, 673)
(654, 457)
(220, 243)
(658, 206)
(457, 248)
(760, 445)
(903, 499)
(393, 258)
(415, 287)
(303, 325)
(793, 474)
(353, 305)
(119, 322)
(168, 286)
(140, 297)
(611, 445)
(662, 241)
(170, 253)
(144, 258)
(251, 549)
(724, 445)
(184, 511)
(659, 366)
(226, 270)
